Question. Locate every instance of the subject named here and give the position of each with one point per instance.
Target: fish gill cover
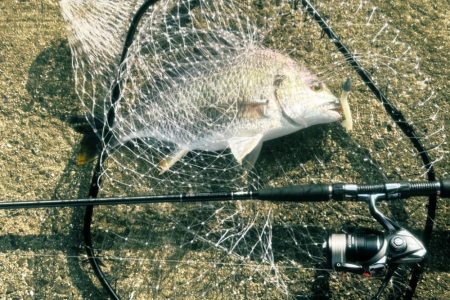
(205, 89)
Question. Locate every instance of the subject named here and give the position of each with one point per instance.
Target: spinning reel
(373, 252)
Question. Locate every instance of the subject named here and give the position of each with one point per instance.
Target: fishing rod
(294, 193)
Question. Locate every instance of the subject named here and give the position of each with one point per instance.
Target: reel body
(371, 253)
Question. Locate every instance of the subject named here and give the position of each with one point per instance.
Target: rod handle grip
(297, 193)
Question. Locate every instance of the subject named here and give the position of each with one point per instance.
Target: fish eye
(317, 86)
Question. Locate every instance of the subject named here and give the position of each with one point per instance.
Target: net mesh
(189, 67)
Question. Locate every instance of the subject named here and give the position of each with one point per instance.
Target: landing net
(189, 67)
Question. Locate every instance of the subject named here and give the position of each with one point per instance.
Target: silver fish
(257, 96)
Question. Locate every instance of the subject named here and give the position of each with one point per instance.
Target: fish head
(304, 100)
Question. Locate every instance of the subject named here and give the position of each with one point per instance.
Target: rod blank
(296, 193)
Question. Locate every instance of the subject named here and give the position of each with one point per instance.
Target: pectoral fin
(168, 162)
(247, 148)
(253, 110)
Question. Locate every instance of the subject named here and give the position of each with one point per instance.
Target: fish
(238, 104)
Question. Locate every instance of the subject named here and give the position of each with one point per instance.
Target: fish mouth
(334, 106)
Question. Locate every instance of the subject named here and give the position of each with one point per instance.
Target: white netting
(203, 84)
